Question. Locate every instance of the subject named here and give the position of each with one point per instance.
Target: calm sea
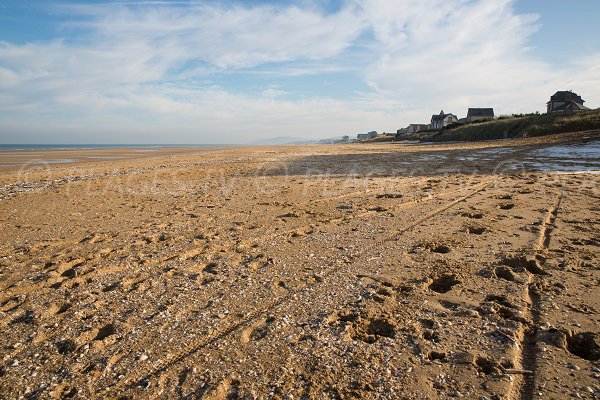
(29, 147)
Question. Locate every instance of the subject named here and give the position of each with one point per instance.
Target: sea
(37, 147)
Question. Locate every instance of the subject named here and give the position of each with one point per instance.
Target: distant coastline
(29, 147)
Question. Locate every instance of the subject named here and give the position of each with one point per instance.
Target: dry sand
(390, 271)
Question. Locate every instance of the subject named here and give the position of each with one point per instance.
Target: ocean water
(36, 147)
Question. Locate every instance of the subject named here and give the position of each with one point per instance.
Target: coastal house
(369, 135)
(442, 119)
(565, 100)
(414, 128)
(480, 114)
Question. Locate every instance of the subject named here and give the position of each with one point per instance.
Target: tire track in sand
(173, 303)
(182, 311)
(523, 388)
(145, 374)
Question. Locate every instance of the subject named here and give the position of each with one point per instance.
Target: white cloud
(476, 50)
(228, 37)
(456, 54)
(125, 69)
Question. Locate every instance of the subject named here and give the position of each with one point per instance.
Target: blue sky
(236, 71)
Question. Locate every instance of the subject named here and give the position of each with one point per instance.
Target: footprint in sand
(523, 263)
(257, 331)
(71, 269)
(472, 215)
(56, 309)
(280, 287)
(105, 331)
(227, 389)
(65, 346)
(111, 287)
(475, 229)
(444, 283)
(505, 206)
(438, 248)
(504, 272)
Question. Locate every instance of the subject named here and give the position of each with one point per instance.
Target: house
(401, 131)
(565, 100)
(414, 128)
(442, 119)
(480, 114)
(368, 135)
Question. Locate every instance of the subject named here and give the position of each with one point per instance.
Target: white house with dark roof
(565, 100)
(442, 119)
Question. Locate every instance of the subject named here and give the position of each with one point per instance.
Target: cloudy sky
(236, 71)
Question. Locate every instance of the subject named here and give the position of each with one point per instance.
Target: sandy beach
(370, 271)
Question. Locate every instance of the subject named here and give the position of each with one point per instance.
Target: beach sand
(392, 271)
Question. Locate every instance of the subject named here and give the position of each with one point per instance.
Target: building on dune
(480, 114)
(565, 100)
(369, 135)
(414, 128)
(442, 119)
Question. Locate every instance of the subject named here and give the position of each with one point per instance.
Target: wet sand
(335, 271)
(24, 159)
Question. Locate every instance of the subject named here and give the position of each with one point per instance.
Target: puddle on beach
(587, 151)
(557, 167)
(430, 157)
(484, 155)
(561, 158)
(566, 158)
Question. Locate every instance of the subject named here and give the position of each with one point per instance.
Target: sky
(230, 72)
